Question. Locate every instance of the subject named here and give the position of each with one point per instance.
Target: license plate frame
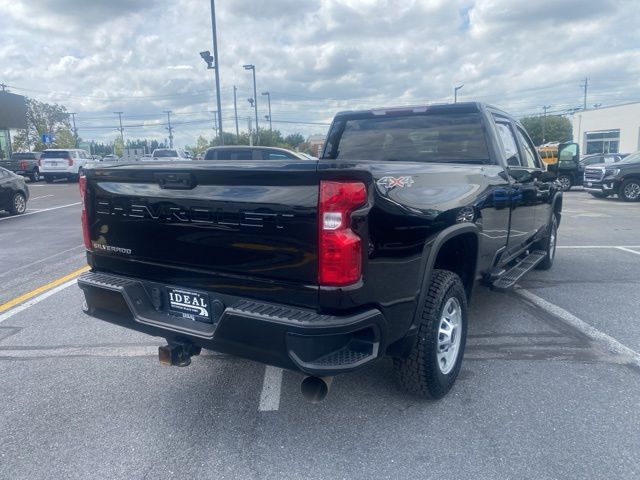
(190, 304)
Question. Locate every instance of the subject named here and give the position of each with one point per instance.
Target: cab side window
(530, 160)
(509, 146)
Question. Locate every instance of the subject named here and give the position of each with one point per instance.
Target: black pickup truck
(323, 266)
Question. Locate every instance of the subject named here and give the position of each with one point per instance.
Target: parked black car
(621, 178)
(240, 152)
(14, 192)
(26, 164)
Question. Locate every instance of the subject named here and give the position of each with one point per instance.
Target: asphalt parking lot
(549, 389)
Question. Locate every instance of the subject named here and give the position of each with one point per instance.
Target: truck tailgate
(242, 219)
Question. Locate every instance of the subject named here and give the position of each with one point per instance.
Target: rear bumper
(288, 337)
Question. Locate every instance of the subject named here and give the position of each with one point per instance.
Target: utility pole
(217, 67)
(255, 99)
(121, 129)
(250, 131)
(235, 109)
(269, 100)
(75, 130)
(585, 85)
(168, 112)
(544, 122)
(455, 93)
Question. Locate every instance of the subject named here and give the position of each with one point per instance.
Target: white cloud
(315, 57)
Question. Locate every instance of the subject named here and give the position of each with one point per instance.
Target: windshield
(165, 153)
(633, 158)
(451, 138)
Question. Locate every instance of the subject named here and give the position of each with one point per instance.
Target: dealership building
(614, 129)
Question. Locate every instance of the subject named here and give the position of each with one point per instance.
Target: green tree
(202, 144)
(44, 118)
(294, 140)
(557, 128)
(118, 147)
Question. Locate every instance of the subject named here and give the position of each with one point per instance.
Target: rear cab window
(440, 137)
(56, 154)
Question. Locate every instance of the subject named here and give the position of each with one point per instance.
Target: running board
(510, 277)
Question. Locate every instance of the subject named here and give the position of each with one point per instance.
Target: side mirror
(552, 168)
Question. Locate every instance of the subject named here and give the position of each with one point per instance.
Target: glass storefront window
(605, 141)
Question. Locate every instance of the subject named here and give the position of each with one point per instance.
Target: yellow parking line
(43, 288)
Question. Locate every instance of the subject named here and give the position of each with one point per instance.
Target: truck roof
(458, 107)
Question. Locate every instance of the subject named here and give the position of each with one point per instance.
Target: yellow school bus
(548, 153)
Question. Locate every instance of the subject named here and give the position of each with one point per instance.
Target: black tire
(630, 190)
(18, 204)
(48, 178)
(566, 182)
(548, 244)
(76, 178)
(420, 372)
(599, 195)
(35, 175)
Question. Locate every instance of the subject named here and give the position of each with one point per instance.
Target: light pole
(455, 93)
(206, 56)
(269, 101)
(235, 110)
(255, 99)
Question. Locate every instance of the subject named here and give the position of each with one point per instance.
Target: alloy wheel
(19, 203)
(632, 191)
(449, 334)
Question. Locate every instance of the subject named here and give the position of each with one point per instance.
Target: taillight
(82, 184)
(40, 162)
(23, 165)
(340, 248)
(70, 161)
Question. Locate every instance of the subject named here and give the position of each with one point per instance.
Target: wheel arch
(437, 254)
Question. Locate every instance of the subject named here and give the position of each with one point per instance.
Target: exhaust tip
(315, 389)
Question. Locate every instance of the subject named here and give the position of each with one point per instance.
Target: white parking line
(577, 247)
(270, 395)
(40, 211)
(20, 308)
(608, 342)
(627, 249)
(41, 196)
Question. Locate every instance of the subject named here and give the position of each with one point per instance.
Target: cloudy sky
(316, 57)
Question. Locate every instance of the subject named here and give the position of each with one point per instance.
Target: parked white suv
(169, 154)
(63, 163)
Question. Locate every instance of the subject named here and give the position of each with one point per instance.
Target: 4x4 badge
(392, 182)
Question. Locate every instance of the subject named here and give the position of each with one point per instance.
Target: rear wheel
(35, 175)
(18, 204)
(630, 190)
(48, 178)
(565, 182)
(599, 195)
(432, 366)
